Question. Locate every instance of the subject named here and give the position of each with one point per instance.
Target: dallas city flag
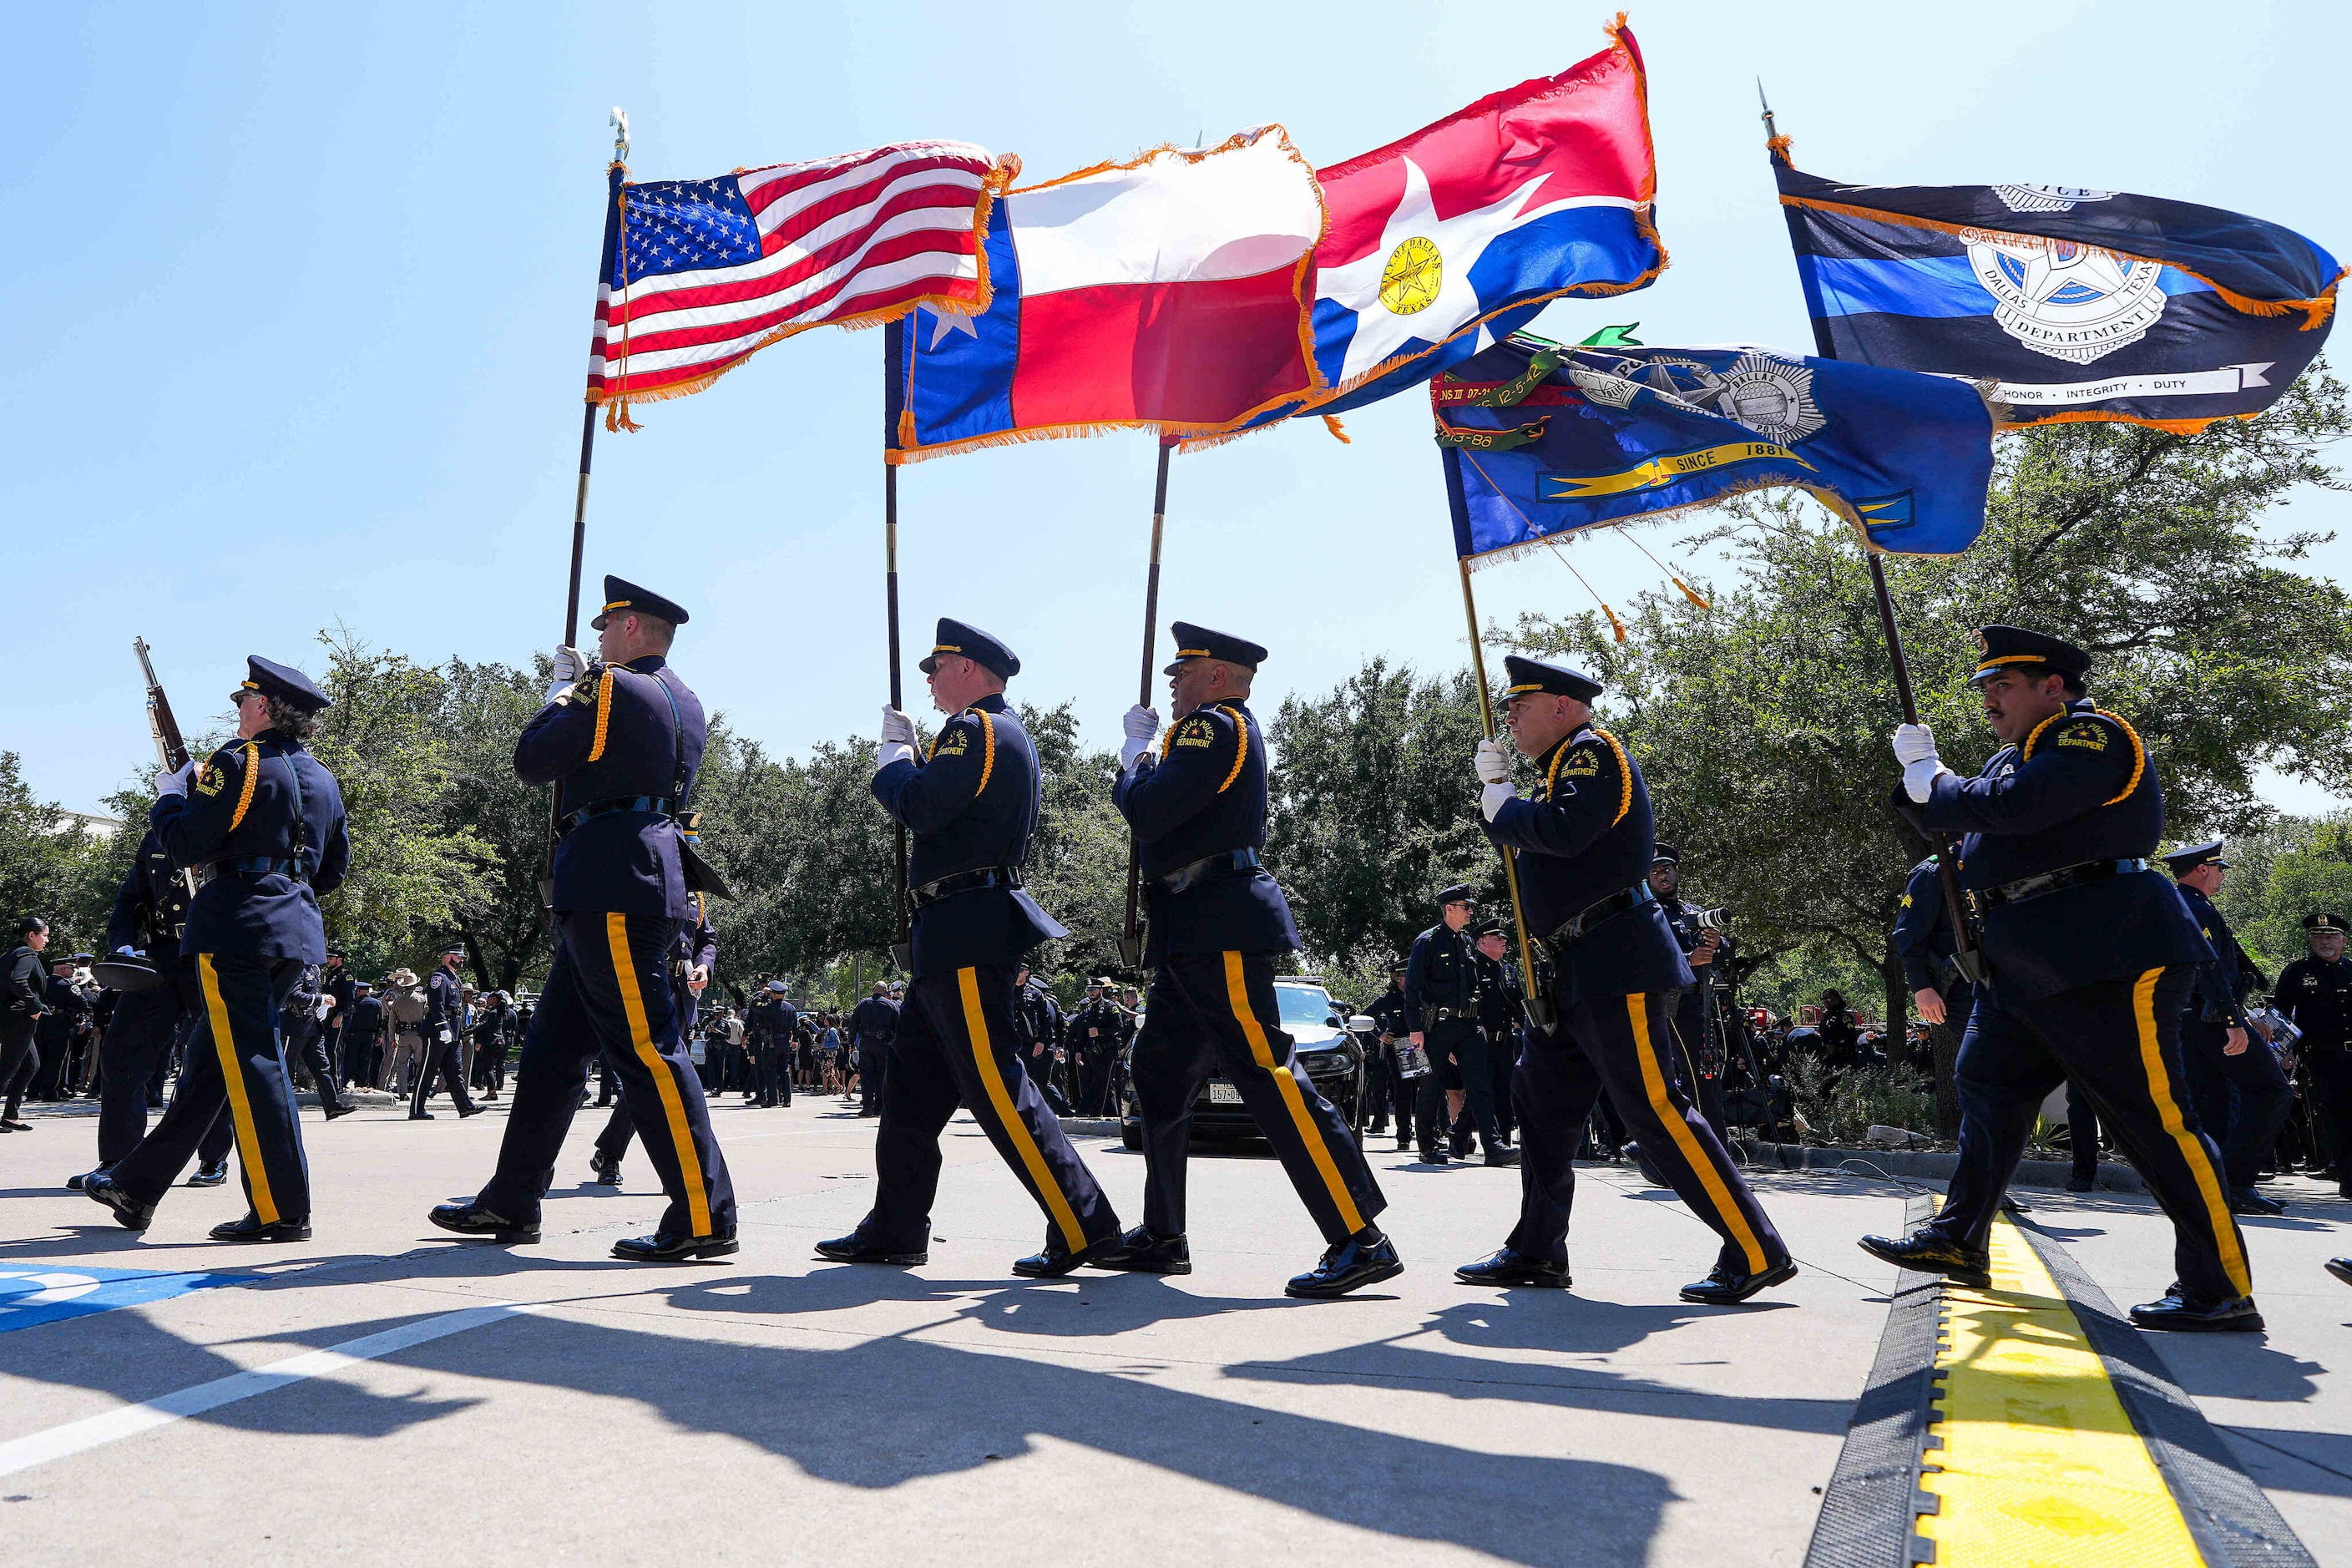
(2079, 304)
(1457, 235)
(1541, 440)
(699, 275)
(1167, 292)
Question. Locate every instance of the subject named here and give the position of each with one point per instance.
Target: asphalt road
(547, 1404)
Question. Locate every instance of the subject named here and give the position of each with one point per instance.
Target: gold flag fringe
(1689, 592)
(1338, 431)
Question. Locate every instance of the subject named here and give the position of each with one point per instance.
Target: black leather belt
(2034, 886)
(970, 881)
(1226, 863)
(657, 804)
(1591, 915)
(259, 866)
(1439, 1015)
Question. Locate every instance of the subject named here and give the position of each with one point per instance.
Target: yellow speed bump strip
(2039, 1462)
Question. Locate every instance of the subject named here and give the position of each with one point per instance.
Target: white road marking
(97, 1431)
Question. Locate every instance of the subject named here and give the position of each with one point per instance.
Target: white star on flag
(1460, 240)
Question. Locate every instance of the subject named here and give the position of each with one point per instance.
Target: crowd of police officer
(2073, 962)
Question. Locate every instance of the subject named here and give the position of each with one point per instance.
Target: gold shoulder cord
(1624, 774)
(244, 794)
(1241, 746)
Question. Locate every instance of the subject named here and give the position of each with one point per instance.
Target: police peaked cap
(621, 594)
(2001, 646)
(1400, 967)
(1200, 642)
(1459, 893)
(2187, 859)
(282, 682)
(972, 643)
(1487, 928)
(1665, 854)
(2326, 921)
(1531, 675)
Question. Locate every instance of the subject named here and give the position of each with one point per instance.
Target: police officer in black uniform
(1929, 946)
(1217, 922)
(364, 1034)
(1585, 847)
(2092, 955)
(1502, 1007)
(873, 1026)
(771, 1031)
(266, 820)
(1092, 1035)
(2314, 995)
(445, 1036)
(2242, 1098)
(1390, 1085)
(1037, 1027)
(621, 738)
(1700, 1053)
(1441, 1015)
(305, 1028)
(24, 998)
(971, 805)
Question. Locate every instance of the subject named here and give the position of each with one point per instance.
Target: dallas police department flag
(702, 274)
(2080, 304)
(1541, 440)
(1167, 292)
(1541, 191)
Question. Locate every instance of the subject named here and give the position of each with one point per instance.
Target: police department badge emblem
(1772, 396)
(2075, 302)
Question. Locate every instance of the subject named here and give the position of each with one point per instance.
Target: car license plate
(1224, 1094)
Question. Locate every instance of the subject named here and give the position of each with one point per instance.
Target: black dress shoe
(1349, 1266)
(661, 1246)
(210, 1175)
(1501, 1156)
(469, 1110)
(14, 1125)
(1509, 1267)
(128, 1212)
(1141, 1251)
(420, 1116)
(340, 1109)
(2341, 1268)
(469, 1217)
(2176, 1312)
(1057, 1259)
(75, 1182)
(1434, 1157)
(2080, 1184)
(1726, 1285)
(2245, 1200)
(1404, 1145)
(607, 1172)
(856, 1248)
(1930, 1252)
(250, 1229)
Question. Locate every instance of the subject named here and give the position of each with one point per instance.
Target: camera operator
(1699, 1057)
(1386, 1012)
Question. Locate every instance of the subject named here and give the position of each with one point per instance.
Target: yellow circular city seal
(1409, 281)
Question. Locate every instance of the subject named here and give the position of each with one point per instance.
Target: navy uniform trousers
(2118, 1042)
(138, 1039)
(2242, 1102)
(1621, 1044)
(608, 992)
(235, 1059)
(1215, 1011)
(956, 1045)
(622, 1125)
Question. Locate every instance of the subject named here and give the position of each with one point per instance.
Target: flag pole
(1539, 1010)
(1130, 942)
(614, 174)
(902, 948)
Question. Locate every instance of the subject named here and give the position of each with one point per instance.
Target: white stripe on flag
(855, 175)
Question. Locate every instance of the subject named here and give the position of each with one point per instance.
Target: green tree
(1078, 859)
(504, 924)
(47, 861)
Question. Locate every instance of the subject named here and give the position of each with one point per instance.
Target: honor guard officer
(2092, 955)
(2315, 993)
(1585, 846)
(267, 820)
(621, 738)
(971, 805)
(2217, 1044)
(444, 1027)
(1441, 1013)
(1217, 922)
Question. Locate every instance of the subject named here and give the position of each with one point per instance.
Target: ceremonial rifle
(170, 749)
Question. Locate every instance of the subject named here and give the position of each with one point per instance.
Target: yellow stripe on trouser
(1309, 1133)
(1654, 1084)
(975, 1025)
(240, 1109)
(2192, 1147)
(641, 1040)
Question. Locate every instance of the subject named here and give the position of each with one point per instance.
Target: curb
(1925, 1165)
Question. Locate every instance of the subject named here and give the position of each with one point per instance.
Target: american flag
(706, 273)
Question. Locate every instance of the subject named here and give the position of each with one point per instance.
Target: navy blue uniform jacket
(244, 804)
(2079, 789)
(444, 1003)
(1204, 794)
(1587, 834)
(1442, 972)
(971, 802)
(367, 1017)
(1922, 927)
(876, 1018)
(2214, 998)
(624, 732)
(150, 907)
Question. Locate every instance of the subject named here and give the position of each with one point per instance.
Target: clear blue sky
(302, 297)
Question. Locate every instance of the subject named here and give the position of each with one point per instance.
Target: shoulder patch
(209, 782)
(1197, 732)
(2086, 734)
(953, 742)
(1583, 761)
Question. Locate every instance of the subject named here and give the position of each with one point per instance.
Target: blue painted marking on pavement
(47, 1293)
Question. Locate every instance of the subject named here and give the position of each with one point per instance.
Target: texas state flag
(1168, 292)
(1531, 194)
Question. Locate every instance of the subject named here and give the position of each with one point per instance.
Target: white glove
(897, 727)
(1914, 743)
(1141, 724)
(1919, 778)
(1491, 798)
(1494, 764)
(564, 670)
(890, 752)
(126, 953)
(175, 780)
